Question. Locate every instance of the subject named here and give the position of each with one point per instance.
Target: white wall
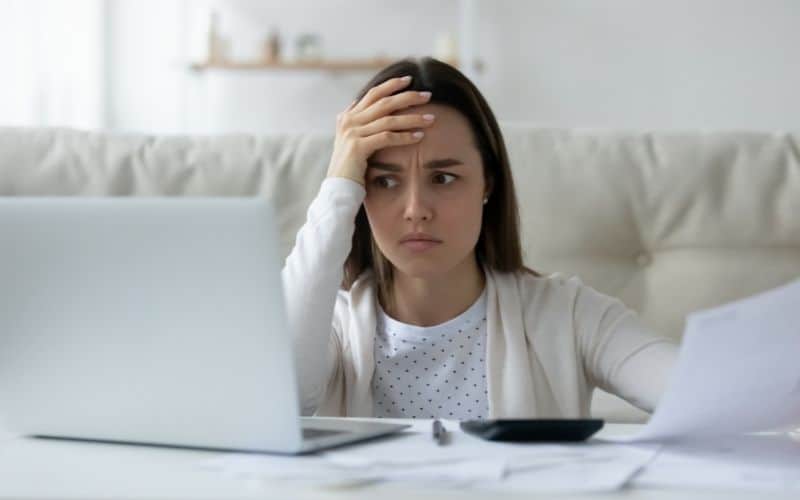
(677, 64)
(303, 100)
(51, 55)
(646, 64)
(146, 74)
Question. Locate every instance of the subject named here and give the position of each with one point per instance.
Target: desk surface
(37, 468)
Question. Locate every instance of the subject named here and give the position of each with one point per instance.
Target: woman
(406, 291)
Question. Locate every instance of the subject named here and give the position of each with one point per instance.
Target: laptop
(155, 321)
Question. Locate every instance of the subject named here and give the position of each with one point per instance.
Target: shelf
(325, 65)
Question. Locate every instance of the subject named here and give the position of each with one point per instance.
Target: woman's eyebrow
(392, 167)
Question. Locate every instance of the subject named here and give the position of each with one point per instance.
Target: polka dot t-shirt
(432, 372)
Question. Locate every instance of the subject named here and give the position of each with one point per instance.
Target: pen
(439, 432)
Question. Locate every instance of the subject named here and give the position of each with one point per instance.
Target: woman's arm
(620, 354)
(312, 275)
(314, 269)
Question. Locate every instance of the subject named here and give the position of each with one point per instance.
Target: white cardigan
(550, 340)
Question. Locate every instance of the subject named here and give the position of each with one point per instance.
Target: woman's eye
(444, 178)
(384, 182)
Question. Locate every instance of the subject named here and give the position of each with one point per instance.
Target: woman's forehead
(449, 135)
(448, 119)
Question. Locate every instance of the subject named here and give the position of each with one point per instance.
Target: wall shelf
(325, 65)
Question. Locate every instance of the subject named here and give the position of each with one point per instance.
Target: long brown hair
(498, 246)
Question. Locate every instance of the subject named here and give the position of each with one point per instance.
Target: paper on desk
(738, 371)
(580, 476)
(415, 459)
(419, 449)
(755, 463)
(527, 467)
(310, 468)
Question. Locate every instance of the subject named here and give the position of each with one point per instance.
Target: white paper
(738, 371)
(466, 461)
(417, 449)
(311, 470)
(581, 476)
(754, 463)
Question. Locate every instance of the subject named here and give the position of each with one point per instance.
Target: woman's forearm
(312, 275)
(621, 355)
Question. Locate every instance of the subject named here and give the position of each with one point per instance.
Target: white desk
(34, 468)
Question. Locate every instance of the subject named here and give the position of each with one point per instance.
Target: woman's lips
(420, 245)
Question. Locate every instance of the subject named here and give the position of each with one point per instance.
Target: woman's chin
(422, 269)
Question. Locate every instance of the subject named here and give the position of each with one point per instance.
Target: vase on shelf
(218, 45)
(308, 48)
(271, 53)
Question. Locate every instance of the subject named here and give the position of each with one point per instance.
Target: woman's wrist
(337, 186)
(347, 175)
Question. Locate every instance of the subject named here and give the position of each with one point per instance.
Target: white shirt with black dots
(432, 372)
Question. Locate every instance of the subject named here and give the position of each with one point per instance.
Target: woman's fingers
(395, 122)
(387, 139)
(384, 89)
(387, 105)
(369, 125)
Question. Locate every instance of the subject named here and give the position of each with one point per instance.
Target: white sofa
(669, 222)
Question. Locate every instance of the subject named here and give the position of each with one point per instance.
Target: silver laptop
(153, 321)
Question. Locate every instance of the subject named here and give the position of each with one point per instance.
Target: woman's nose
(417, 207)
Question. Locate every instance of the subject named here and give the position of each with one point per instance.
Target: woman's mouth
(418, 241)
(419, 245)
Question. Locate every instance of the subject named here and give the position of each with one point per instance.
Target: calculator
(534, 430)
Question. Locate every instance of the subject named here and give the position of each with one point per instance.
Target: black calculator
(534, 430)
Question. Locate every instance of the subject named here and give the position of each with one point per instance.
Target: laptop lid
(150, 320)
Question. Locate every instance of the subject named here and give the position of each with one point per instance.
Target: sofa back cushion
(670, 222)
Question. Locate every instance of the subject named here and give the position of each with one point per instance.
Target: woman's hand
(368, 125)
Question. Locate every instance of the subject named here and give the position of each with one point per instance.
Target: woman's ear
(489, 188)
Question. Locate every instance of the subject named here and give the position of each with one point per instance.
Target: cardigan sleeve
(311, 276)
(620, 354)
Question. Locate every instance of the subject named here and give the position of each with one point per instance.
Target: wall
(707, 64)
(634, 64)
(52, 63)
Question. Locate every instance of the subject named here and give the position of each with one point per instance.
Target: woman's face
(436, 188)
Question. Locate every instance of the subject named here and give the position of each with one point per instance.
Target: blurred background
(262, 66)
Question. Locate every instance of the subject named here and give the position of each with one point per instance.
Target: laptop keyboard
(316, 433)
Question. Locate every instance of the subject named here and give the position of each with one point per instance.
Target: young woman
(406, 290)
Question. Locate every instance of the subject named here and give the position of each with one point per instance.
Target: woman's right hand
(368, 125)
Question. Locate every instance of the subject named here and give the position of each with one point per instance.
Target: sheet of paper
(738, 371)
(308, 468)
(582, 476)
(466, 461)
(753, 463)
(522, 467)
(417, 449)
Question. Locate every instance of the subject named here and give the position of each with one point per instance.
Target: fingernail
(406, 78)
(425, 94)
(428, 117)
(418, 135)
